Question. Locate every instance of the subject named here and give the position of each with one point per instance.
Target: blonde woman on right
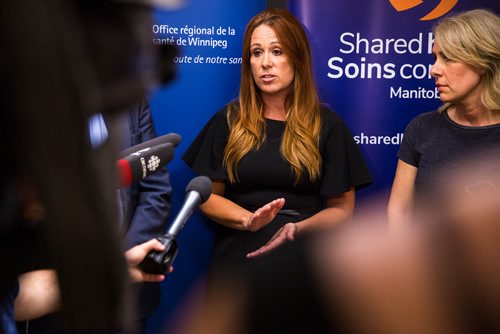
(466, 69)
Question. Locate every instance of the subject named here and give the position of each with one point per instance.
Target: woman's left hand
(287, 233)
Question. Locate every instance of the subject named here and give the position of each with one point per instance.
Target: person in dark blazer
(144, 206)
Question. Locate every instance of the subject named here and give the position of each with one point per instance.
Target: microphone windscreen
(202, 185)
(143, 163)
(172, 138)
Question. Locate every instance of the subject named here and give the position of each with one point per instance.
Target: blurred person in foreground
(91, 57)
(143, 208)
(467, 127)
(282, 164)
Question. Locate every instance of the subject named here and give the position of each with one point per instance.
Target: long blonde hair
(473, 38)
(299, 145)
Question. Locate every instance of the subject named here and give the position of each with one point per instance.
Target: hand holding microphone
(198, 191)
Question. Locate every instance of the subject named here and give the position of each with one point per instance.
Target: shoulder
(139, 115)
(425, 121)
(428, 117)
(215, 129)
(222, 113)
(329, 117)
(215, 121)
(331, 121)
(334, 130)
(139, 108)
(225, 116)
(221, 116)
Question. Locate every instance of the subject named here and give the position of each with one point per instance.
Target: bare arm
(38, 295)
(400, 206)
(339, 210)
(228, 213)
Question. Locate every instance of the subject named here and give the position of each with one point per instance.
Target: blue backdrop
(209, 35)
(371, 61)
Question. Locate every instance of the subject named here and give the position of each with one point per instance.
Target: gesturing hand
(264, 215)
(287, 233)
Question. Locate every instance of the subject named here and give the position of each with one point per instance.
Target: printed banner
(372, 62)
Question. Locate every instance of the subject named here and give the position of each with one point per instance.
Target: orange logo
(442, 8)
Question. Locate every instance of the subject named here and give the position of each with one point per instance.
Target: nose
(266, 60)
(435, 69)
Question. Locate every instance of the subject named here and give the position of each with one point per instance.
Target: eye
(256, 52)
(445, 58)
(277, 52)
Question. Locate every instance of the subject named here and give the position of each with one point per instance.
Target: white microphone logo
(153, 163)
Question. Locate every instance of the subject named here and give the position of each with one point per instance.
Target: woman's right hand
(264, 215)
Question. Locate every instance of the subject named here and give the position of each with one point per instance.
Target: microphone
(172, 138)
(198, 191)
(143, 163)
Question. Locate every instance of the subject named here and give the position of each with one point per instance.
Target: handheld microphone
(172, 138)
(197, 191)
(143, 163)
